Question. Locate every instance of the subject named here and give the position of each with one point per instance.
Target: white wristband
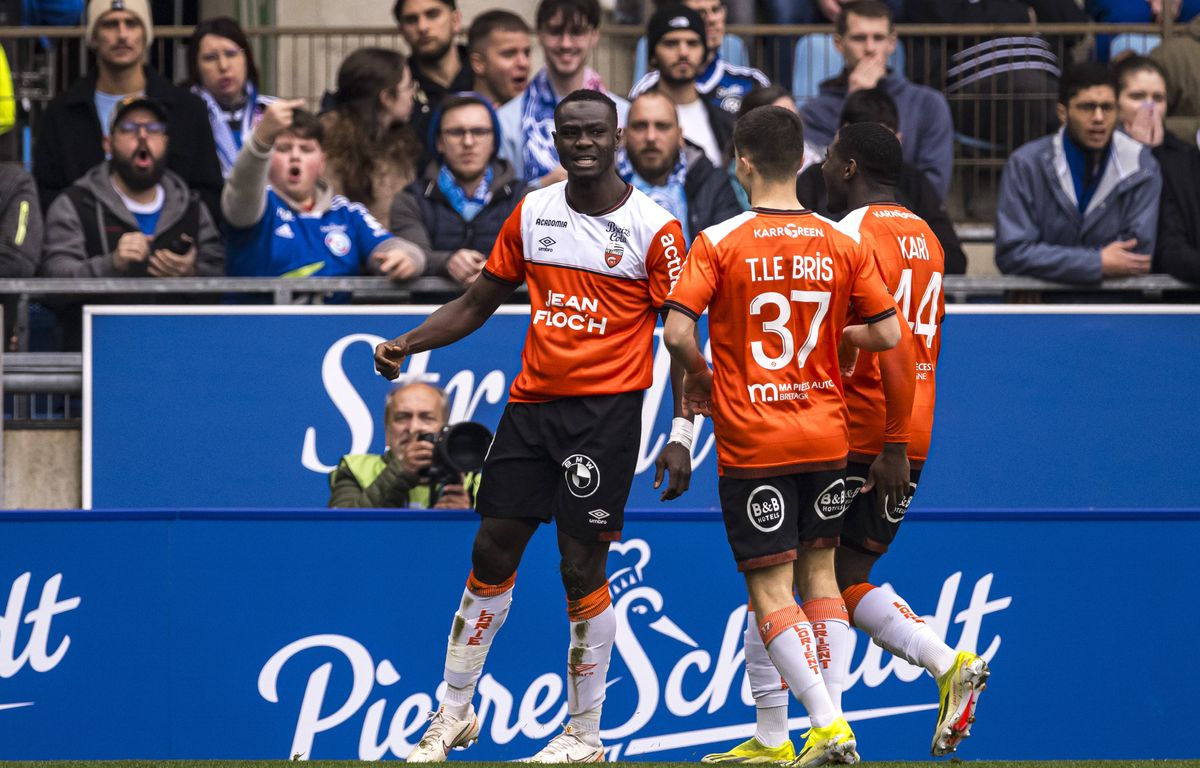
(681, 432)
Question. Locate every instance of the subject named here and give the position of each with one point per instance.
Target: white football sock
(895, 627)
(789, 640)
(767, 686)
(480, 615)
(835, 643)
(593, 630)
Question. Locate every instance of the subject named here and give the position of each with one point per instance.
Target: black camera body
(457, 450)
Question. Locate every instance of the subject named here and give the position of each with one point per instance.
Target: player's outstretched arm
(679, 334)
(449, 323)
(879, 336)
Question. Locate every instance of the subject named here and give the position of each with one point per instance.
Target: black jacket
(428, 95)
(70, 141)
(1177, 252)
(722, 127)
(710, 196)
(914, 192)
(422, 215)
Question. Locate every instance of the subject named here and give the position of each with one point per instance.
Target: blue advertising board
(269, 634)
(1038, 406)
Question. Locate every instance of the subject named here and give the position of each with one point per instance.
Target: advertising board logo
(37, 654)
(765, 508)
(582, 476)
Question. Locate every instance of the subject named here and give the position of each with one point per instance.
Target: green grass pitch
(465, 764)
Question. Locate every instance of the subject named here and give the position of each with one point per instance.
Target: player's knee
(581, 577)
(492, 561)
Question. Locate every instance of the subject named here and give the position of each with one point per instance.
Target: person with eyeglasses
(130, 216)
(1081, 204)
(455, 211)
(221, 71)
(71, 132)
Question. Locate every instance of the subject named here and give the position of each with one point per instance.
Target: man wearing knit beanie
(70, 139)
(678, 48)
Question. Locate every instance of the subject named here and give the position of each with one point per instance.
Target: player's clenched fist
(388, 357)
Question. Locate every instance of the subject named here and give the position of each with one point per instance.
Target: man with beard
(675, 174)
(130, 216)
(678, 49)
(72, 132)
(438, 65)
(568, 31)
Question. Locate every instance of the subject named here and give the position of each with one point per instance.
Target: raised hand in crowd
(132, 248)
(867, 73)
(276, 119)
(465, 264)
(1117, 259)
(395, 262)
(165, 262)
(1145, 126)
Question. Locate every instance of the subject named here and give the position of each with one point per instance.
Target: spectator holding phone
(130, 216)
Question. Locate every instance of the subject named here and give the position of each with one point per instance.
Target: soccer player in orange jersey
(886, 439)
(778, 282)
(599, 258)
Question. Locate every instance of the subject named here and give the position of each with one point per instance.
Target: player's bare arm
(679, 334)
(878, 336)
(448, 324)
(890, 469)
(675, 459)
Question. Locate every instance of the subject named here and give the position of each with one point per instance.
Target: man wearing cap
(722, 82)
(129, 216)
(71, 133)
(678, 49)
(455, 212)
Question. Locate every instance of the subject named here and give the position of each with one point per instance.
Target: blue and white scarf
(537, 121)
(229, 144)
(670, 195)
(468, 206)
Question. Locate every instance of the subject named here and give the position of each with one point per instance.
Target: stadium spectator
(677, 50)
(130, 216)
(1081, 204)
(674, 173)
(222, 73)
(1180, 60)
(567, 31)
(1135, 12)
(20, 235)
(400, 476)
(499, 48)
(912, 188)
(1004, 86)
(726, 76)
(71, 133)
(455, 212)
(1141, 104)
(866, 37)
(371, 149)
(439, 66)
(296, 226)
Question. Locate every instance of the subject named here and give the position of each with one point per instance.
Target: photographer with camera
(412, 472)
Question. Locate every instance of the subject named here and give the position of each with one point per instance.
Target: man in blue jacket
(1081, 204)
(866, 37)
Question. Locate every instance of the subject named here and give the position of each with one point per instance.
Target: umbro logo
(547, 241)
(599, 514)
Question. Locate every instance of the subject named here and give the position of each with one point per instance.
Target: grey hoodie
(64, 253)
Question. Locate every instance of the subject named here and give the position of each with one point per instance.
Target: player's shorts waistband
(751, 473)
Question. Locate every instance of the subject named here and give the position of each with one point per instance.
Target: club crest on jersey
(832, 501)
(613, 255)
(765, 508)
(338, 243)
(582, 476)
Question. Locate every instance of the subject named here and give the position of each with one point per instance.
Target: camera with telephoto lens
(457, 450)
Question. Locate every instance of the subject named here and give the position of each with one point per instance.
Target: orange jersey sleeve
(910, 262)
(697, 280)
(507, 259)
(664, 261)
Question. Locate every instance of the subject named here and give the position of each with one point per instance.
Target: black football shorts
(867, 529)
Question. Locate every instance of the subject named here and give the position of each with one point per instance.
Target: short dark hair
(1131, 65)
(572, 10)
(491, 21)
(871, 9)
(305, 125)
(773, 138)
(1084, 75)
(762, 96)
(585, 94)
(222, 26)
(398, 8)
(874, 148)
(871, 105)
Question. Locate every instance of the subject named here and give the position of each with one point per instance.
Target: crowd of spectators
(414, 160)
